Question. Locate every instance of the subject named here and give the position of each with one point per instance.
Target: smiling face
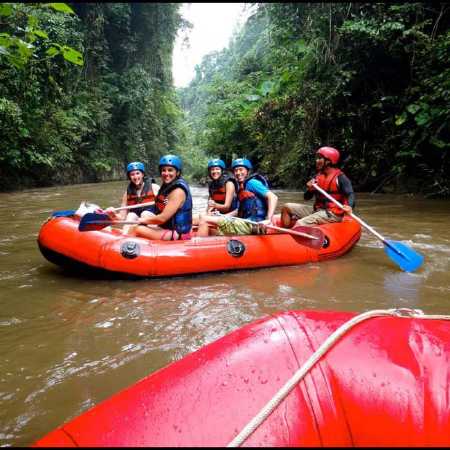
(240, 173)
(215, 172)
(168, 174)
(136, 177)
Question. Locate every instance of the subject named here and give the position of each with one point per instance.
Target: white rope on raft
(315, 357)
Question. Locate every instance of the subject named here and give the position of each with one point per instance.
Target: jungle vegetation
(371, 79)
(84, 89)
(87, 87)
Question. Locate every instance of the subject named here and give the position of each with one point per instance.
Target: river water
(70, 341)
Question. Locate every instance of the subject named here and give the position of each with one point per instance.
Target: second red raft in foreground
(385, 383)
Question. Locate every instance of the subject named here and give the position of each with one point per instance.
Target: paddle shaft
(284, 230)
(364, 224)
(114, 222)
(139, 205)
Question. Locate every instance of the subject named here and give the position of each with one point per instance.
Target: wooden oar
(71, 212)
(408, 259)
(310, 236)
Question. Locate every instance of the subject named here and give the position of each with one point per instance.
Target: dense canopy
(87, 87)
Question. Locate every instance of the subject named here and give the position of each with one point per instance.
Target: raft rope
(312, 360)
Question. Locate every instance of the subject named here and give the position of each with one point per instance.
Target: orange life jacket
(329, 184)
(217, 190)
(147, 194)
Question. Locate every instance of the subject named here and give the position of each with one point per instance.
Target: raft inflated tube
(384, 383)
(108, 250)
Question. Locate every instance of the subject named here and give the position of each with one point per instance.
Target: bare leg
(204, 224)
(286, 217)
(131, 217)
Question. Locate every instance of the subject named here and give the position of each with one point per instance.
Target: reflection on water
(70, 341)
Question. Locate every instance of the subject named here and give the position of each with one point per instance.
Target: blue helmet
(171, 160)
(135, 166)
(244, 162)
(216, 162)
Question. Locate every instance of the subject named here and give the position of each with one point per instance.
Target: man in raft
(256, 203)
(173, 207)
(330, 179)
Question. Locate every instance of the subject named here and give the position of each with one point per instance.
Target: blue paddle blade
(64, 213)
(94, 221)
(404, 256)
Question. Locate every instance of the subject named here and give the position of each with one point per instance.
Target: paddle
(400, 253)
(71, 212)
(96, 221)
(309, 236)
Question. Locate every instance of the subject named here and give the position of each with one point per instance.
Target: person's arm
(229, 193)
(272, 201)
(345, 186)
(175, 200)
(309, 193)
(118, 215)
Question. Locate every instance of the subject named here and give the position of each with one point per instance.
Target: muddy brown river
(69, 341)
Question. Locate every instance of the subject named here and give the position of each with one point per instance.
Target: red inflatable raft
(61, 243)
(385, 382)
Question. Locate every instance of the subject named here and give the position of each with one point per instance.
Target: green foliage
(24, 39)
(371, 79)
(80, 115)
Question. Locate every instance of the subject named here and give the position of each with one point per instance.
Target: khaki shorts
(307, 216)
(233, 227)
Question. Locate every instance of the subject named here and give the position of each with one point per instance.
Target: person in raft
(139, 190)
(222, 190)
(173, 208)
(334, 182)
(256, 203)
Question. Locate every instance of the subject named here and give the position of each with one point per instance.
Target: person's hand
(212, 203)
(347, 209)
(309, 184)
(111, 213)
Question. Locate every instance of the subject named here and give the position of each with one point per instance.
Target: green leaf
(62, 7)
(438, 143)
(5, 9)
(422, 118)
(52, 51)
(413, 108)
(40, 33)
(72, 56)
(252, 98)
(3, 51)
(401, 119)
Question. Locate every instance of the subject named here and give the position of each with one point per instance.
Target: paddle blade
(408, 259)
(64, 213)
(317, 233)
(90, 222)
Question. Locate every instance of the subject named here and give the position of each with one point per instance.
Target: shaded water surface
(70, 341)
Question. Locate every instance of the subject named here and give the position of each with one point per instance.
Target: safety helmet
(135, 166)
(216, 162)
(171, 160)
(330, 153)
(244, 162)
